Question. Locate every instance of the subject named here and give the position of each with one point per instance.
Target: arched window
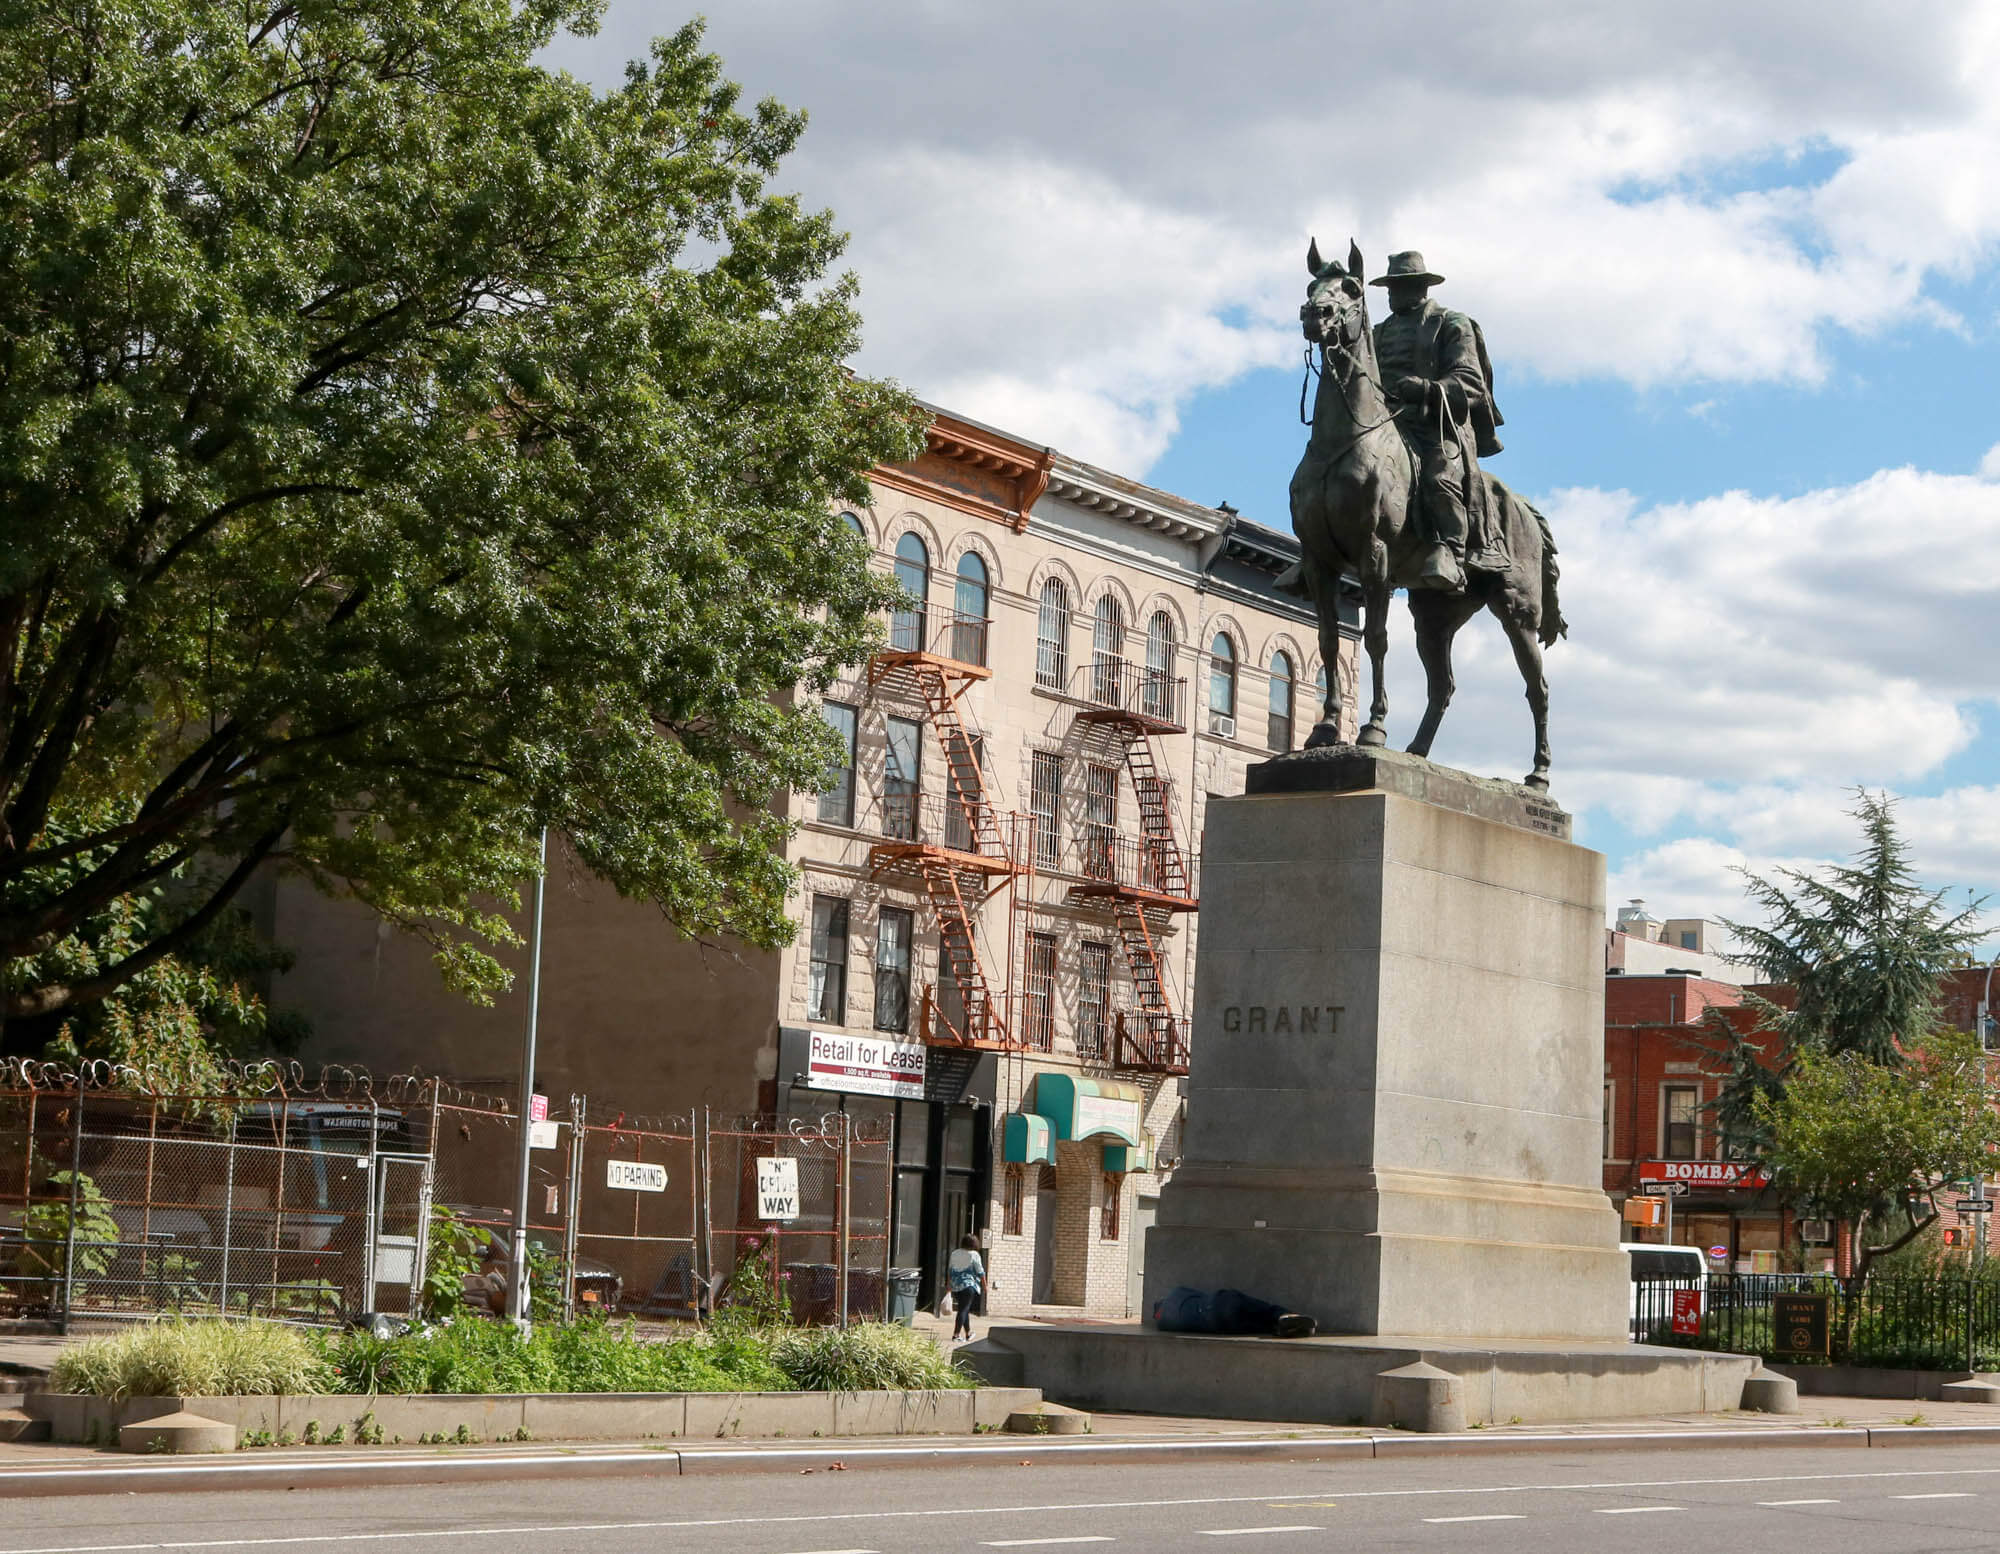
(1281, 701)
(1052, 636)
(913, 571)
(1159, 698)
(1320, 713)
(968, 627)
(1107, 651)
(856, 526)
(1221, 684)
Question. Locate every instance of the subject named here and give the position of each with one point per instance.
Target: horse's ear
(1314, 264)
(1354, 264)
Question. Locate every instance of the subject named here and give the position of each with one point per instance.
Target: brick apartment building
(998, 891)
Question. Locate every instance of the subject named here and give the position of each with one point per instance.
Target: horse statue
(1354, 510)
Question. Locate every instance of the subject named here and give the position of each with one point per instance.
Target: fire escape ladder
(967, 783)
(1157, 1044)
(1167, 863)
(960, 950)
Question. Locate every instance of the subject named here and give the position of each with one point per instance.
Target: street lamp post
(517, 1284)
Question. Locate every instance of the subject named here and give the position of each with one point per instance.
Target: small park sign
(1799, 1325)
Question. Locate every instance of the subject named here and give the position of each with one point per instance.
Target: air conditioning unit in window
(1816, 1231)
(1221, 727)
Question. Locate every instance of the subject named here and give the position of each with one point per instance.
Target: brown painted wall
(632, 1014)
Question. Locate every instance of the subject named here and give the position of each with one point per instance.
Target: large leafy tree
(402, 447)
(1871, 1144)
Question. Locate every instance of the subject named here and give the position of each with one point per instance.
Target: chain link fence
(312, 1200)
(839, 1181)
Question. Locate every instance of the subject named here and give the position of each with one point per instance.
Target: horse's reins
(1341, 382)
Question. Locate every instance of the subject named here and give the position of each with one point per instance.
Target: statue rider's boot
(1443, 570)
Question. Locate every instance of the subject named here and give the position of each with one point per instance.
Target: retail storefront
(1722, 1207)
(939, 1103)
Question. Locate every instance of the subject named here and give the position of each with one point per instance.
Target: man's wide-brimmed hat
(1407, 266)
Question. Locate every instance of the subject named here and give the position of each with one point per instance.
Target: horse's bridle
(1341, 345)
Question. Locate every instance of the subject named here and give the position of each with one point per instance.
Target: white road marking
(1798, 1502)
(1497, 1516)
(839, 1551)
(410, 1535)
(1241, 1532)
(1036, 1543)
(1943, 1494)
(1635, 1510)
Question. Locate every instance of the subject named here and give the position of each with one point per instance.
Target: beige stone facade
(1074, 573)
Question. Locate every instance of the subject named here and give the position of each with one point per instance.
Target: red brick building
(1660, 1076)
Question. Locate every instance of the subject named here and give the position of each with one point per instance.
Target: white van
(1651, 1262)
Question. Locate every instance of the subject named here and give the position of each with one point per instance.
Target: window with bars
(826, 991)
(894, 930)
(1093, 1001)
(1114, 1201)
(1158, 692)
(1013, 1188)
(1100, 820)
(1045, 803)
(1041, 1031)
(1681, 1106)
(1052, 636)
(1107, 650)
(836, 797)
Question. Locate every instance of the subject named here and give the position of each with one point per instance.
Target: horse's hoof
(1539, 781)
(1372, 737)
(1323, 734)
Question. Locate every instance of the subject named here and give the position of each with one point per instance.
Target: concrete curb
(355, 1471)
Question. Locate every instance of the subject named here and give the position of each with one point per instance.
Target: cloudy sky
(1739, 267)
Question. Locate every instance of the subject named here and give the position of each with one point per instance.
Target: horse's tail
(1553, 624)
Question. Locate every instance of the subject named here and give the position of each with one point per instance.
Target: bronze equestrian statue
(1389, 491)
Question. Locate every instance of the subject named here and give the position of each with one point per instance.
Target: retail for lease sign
(865, 1065)
(1725, 1174)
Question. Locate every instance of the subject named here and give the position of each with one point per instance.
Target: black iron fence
(1916, 1322)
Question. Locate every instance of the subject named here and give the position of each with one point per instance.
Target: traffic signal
(1953, 1236)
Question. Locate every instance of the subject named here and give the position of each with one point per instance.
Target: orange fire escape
(1144, 880)
(954, 843)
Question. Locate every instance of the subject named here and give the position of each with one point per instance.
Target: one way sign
(777, 1188)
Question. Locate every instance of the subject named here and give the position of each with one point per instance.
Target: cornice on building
(1116, 497)
(975, 469)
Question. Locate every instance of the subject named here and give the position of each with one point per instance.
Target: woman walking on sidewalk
(968, 1283)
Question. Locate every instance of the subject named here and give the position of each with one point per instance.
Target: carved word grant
(1283, 1019)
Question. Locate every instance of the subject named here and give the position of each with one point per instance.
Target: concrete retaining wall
(1332, 1380)
(1870, 1381)
(581, 1416)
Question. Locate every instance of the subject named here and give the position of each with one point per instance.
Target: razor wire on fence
(828, 1259)
(312, 1199)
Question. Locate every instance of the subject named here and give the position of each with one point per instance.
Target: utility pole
(517, 1283)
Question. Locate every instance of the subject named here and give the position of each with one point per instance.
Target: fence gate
(635, 1223)
(401, 1228)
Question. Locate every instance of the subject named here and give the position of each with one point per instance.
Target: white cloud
(1103, 207)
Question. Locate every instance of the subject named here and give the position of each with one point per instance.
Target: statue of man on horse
(1434, 365)
(1389, 492)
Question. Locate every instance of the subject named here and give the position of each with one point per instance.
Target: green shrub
(176, 1358)
(46, 1227)
(585, 1356)
(863, 1358)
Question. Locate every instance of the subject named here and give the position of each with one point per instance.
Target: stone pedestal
(1395, 1109)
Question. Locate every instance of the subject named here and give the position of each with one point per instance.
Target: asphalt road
(1769, 1501)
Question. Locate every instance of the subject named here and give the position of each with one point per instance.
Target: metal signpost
(517, 1286)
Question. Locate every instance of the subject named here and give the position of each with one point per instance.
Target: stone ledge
(1352, 769)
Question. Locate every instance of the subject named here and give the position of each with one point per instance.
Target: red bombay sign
(1726, 1174)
